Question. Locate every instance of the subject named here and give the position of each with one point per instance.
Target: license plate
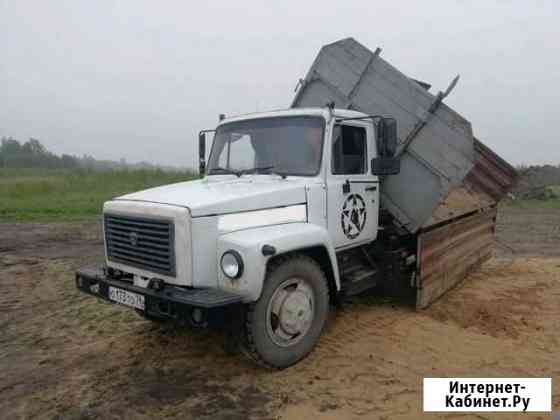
(124, 297)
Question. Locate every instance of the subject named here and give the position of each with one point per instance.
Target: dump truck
(367, 183)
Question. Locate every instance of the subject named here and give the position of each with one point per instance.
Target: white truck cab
(261, 238)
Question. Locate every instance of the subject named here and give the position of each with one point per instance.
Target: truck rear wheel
(284, 325)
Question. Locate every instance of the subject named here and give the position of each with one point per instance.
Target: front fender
(285, 238)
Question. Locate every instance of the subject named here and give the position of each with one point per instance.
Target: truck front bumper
(198, 307)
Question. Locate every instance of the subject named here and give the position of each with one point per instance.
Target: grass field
(555, 189)
(57, 195)
(550, 203)
(43, 195)
(533, 204)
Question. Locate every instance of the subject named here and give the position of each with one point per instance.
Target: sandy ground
(67, 356)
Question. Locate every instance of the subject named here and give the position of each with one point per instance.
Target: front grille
(141, 242)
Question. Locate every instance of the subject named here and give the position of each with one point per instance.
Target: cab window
(349, 155)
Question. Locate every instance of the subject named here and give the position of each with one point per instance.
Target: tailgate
(448, 253)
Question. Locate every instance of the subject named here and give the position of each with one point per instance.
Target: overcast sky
(139, 79)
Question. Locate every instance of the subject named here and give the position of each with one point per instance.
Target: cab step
(358, 271)
(361, 275)
(359, 280)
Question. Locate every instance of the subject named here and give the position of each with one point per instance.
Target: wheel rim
(290, 312)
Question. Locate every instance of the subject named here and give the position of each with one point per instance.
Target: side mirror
(201, 152)
(387, 137)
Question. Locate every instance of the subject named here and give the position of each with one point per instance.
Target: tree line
(539, 175)
(535, 182)
(33, 154)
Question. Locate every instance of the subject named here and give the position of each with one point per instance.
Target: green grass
(45, 195)
(550, 203)
(555, 189)
(57, 195)
(532, 204)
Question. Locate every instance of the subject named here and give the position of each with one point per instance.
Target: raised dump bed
(449, 183)
(437, 144)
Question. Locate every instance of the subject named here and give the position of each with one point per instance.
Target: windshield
(283, 145)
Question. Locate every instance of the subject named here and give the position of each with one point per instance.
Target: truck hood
(226, 194)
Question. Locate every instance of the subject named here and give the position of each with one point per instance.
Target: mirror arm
(202, 150)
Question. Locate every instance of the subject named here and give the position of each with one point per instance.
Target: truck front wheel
(284, 325)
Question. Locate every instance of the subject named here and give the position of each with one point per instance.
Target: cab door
(352, 192)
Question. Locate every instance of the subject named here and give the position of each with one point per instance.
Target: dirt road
(65, 355)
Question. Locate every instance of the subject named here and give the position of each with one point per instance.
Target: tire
(283, 326)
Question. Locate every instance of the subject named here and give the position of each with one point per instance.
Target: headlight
(232, 264)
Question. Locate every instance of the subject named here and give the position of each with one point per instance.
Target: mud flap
(448, 253)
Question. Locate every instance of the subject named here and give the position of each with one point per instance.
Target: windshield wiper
(268, 169)
(224, 171)
(257, 169)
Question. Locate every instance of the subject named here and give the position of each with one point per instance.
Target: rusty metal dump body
(491, 176)
(448, 253)
(450, 183)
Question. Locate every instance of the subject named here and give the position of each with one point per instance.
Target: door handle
(372, 188)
